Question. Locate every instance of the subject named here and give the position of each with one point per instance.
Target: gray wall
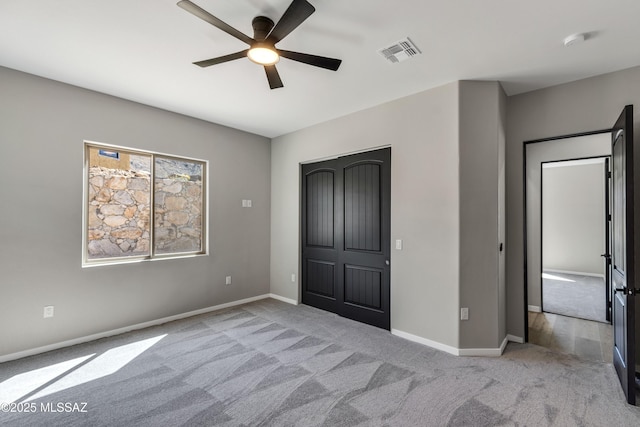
(538, 153)
(573, 217)
(43, 127)
(437, 207)
(581, 106)
(482, 218)
(422, 131)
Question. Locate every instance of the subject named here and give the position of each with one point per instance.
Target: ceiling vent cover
(400, 51)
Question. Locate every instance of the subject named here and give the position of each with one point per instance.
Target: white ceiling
(143, 50)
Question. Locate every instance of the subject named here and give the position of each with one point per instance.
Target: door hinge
(608, 174)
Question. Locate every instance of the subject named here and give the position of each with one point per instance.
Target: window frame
(151, 255)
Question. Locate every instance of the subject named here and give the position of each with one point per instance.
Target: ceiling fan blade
(206, 16)
(297, 12)
(272, 75)
(316, 61)
(221, 59)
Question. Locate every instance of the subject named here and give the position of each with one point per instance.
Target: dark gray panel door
(607, 240)
(346, 236)
(319, 251)
(623, 248)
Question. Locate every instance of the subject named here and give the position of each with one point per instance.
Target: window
(142, 205)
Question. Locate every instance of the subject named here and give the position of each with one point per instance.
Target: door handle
(618, 133)
(386, 261)
(628, 291)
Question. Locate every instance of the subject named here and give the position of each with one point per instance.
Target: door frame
(525, 219)
(607, 238)
(607, 207)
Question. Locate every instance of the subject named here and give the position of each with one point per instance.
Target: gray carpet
(574, 295)
(272, 364)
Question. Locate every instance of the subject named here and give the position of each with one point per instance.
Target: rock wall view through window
(178, 206)
(142, 205)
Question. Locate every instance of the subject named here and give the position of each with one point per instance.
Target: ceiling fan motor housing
(262, 26)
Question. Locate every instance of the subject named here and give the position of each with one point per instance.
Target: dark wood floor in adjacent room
(586, 339)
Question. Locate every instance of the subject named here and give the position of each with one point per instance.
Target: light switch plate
(48, 311)
(399, 244)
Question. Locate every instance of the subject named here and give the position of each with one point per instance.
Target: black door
(346, 236)
(607, 240)
(623, 248)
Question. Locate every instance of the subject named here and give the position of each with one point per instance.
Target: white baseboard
(514, 338)
(424, 341)
(420, 340)
(505, 341)
(484, 352)
(575, 273)
(491, 352)
(283, 299)
(56, 346)
(535, 309)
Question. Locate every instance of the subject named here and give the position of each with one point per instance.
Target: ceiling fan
(266, 34)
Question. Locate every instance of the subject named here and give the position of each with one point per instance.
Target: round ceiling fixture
(574, 39)
(263, 54)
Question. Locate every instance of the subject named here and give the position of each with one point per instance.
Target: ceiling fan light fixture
(263, 55)
(266, 35)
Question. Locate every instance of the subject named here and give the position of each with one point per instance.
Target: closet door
(346, 236)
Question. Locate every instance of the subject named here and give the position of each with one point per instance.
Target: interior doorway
(588, 339)
(574, 238)
(620, 260)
